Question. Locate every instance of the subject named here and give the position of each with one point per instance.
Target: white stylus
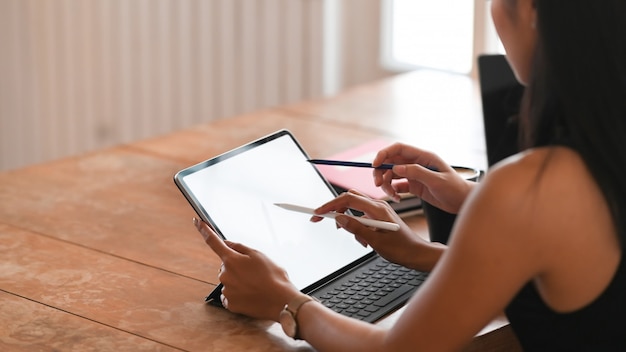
(384, 225)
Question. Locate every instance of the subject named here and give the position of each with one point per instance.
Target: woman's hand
(403, 247)
(253, 285)
(424, 174)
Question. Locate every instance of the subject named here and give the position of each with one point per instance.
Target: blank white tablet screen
(238, 193)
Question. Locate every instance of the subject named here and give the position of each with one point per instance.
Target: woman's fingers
(415, 172)
(347, 200)
(211, 238)
(372, 208)
(221, 247)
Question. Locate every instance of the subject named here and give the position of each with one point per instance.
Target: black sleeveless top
(599, 326)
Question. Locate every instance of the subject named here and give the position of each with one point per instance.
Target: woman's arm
(489, 259)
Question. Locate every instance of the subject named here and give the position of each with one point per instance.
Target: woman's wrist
(284, 297)
(426, 256)
(288, 316)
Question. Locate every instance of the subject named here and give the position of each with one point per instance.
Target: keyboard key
(371, 309)
(363, 313)
(415, 282)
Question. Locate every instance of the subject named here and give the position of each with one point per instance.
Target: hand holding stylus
(383, 225)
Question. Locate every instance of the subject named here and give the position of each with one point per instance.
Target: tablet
(236, 192)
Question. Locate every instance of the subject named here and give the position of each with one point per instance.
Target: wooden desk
(99, 253)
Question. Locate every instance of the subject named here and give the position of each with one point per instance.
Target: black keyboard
(369, 293)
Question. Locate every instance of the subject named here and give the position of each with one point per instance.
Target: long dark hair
(576, 94)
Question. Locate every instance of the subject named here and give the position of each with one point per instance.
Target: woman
(541, 237)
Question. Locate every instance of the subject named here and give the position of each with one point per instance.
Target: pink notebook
(356, 177)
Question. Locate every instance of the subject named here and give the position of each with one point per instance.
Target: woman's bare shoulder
(535, 190)
(543, 170)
